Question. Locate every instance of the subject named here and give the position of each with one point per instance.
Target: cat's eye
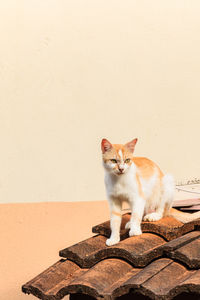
(113, 161)
(127, 160)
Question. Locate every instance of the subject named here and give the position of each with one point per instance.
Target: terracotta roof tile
(188, 205)
(164, 283)
(191, 208)
(162, 263)
(167, 227)
(186, 202)
(157, 280)
(137, 250)
(50, 282)
(162, 279)
(99, 280)
(186, 249)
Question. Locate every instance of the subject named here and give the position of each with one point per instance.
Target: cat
(141, 183)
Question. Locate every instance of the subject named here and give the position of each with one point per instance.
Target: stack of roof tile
(162, 263)
(190, 205)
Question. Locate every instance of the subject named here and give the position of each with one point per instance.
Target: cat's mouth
(120, 173)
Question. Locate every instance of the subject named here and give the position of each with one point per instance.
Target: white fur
(120, 154)
(168, 188)
(161, 201)
(147, 185)
(154, 203)
(121, 186)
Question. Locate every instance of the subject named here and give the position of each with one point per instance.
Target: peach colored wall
(72, 72)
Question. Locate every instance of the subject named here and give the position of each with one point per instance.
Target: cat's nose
(121, 170)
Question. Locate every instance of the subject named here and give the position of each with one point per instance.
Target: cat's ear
(105, 145)
(131, 145)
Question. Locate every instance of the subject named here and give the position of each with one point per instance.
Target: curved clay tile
(185, 249)
(50, 281)
(168, 227)
(141, 266)
(162, 279)
(137, 250)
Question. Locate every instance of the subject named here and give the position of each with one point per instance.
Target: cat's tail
(183, 216)
(168, 195)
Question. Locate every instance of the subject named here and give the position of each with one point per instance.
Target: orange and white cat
(141, 183)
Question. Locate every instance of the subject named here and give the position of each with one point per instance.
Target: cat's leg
(137, 211)
(163, 199)
(159, 205)
(154, 216)
(115, 221)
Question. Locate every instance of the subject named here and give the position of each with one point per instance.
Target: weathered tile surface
(185, 249)
(47, 284)
(189, 254)
(164, 282)
(137, 250)
(167, 227)
(98, 281)
(162, 279)
(160, 264)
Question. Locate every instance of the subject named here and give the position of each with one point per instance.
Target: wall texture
(73, 72)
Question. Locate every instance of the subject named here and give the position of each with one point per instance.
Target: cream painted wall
(73, 72)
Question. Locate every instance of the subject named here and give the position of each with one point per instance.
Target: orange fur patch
(139, 186)
(114, 153)
(146, 167)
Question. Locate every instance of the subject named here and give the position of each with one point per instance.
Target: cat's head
(117, 158)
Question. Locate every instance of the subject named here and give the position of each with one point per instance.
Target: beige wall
(72, 72)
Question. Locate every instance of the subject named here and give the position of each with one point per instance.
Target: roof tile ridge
(89, 287)
(36, 287)
(64, 290)
(121, 281)
(178, 281)
(182, 240)
(182, 260)
(144, 290)
(178, 250)
(168, 227)
(138, 287)
(182, 287)
(124, 250)
(161, 269)
(46, 271)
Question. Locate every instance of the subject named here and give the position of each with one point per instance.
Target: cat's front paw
(152, 217)
(135, 231)
(112, 241)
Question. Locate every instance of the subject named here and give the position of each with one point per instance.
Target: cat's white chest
(122, 186)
